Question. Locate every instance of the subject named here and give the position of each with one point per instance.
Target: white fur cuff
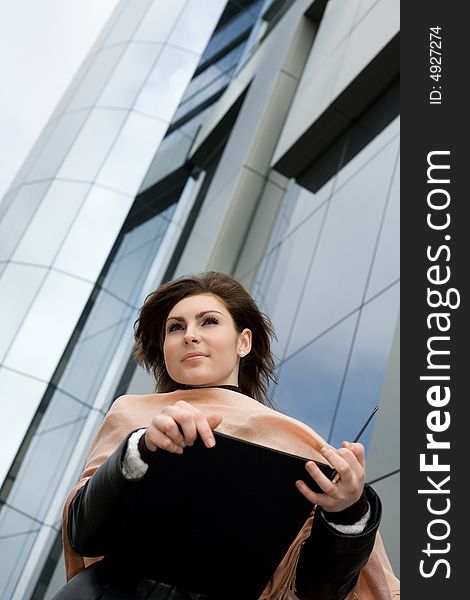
(354, 528)
(133, 467)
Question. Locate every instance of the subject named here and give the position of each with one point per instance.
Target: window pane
(129, 158)
(44, 467)
(386, 266)
(234, 28)
(19, 399)
(92, 145)
(336, 282)
(173, 151)
(17, 535)
(17, 217)
(158, 21)
(93, 233)
(18, 287)
(305, 203)
(282, 278)
(367, 153)
(204, 94)
(213, 73)
(366, 372)
(196, 24)
(46, 330)
(166, 83)
(128, 20)
(7, 201)
(60, 206)
(96, 77)
(93, 355)
(129, 76)
(309, 383)
(60, 142)
(131, 265)
(62, 410)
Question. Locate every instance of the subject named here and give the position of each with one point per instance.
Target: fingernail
(324, 450)
(211, 442)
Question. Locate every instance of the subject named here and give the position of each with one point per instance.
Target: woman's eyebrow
(198, 316)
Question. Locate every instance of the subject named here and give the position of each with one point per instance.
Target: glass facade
(330, 283)
(102, 212)
(73, 268)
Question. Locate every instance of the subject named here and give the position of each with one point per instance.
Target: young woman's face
(201, 345)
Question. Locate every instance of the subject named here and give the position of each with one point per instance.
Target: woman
(208, 347)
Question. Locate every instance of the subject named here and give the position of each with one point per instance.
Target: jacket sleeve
(99, 506)
(330, 561)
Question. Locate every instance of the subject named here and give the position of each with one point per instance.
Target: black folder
(217, 521)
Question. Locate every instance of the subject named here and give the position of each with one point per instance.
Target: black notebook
(217, 521)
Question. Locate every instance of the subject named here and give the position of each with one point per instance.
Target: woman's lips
(193, 357)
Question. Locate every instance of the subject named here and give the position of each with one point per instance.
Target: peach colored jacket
(247, 419)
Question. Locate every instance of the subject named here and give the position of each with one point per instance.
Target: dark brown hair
(256, 368)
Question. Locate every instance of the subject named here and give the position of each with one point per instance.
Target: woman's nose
(191, 335)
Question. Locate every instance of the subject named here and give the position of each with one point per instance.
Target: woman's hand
(178, 425)
(348, 485)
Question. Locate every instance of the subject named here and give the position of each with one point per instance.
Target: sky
(42, 45)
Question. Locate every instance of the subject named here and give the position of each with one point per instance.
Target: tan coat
(249, 420)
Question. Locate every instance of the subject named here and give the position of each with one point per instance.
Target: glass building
(258, 138)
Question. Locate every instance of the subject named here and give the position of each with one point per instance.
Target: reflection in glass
(130, 156)
(93, 233)
(19, 399)
(48, 457)
(130, 267)
(166, 83)
(366, 370)
(62, 410)
(128, 19)
(282, 277)
(306, 202)
(386, 267)
(129, 76)
(92, 356)
(195, 25)
(310, 381)
(367, 153)
(60, 206)
(16, 219)
(21, 284)
(158, 21)
(236, 27)
(35, 152)
(173, 150)
(96, 77)
(61, 140)
(17, 535)
(6, 201)
(336, 283)
(48, 326)
(216, 85)
(115, 308)
(92, 144)
(214, 72)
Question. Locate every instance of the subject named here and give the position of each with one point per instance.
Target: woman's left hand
(348, 485)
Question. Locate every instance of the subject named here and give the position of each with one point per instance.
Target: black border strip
(434, 115)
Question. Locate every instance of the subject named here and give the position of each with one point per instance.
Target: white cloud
(42, 44)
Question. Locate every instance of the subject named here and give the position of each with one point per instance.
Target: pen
(361, 430)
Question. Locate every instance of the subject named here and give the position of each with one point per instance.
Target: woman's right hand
(178, 425)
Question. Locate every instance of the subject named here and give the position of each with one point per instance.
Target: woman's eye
(211, 321)
(174, 327)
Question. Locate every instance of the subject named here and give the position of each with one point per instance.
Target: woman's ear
(244, 343)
